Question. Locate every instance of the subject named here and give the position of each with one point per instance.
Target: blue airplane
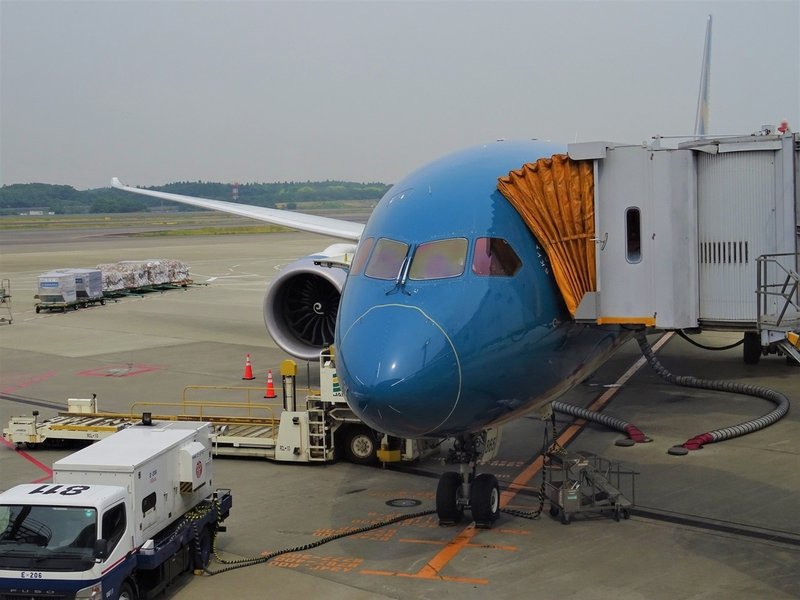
(448, 321)
(446, 317)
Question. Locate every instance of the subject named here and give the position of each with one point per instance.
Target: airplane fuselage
(450, 319)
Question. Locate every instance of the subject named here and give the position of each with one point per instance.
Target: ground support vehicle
(584, 482)
(319, 428)
(122, 519)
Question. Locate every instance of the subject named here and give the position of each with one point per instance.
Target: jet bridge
(702, 235)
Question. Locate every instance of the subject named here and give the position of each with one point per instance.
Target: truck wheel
(38, 309)
(126, 591)
(361, 447)
(202, 549)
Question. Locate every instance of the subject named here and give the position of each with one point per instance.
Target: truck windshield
(60, 535)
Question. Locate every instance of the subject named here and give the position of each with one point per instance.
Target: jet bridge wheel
(751, 348)
(448, 509)
(485, 500)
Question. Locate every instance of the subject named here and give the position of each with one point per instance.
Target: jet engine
(302, 302)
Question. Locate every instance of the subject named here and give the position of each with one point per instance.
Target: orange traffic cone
(248, 369)
(270, 386)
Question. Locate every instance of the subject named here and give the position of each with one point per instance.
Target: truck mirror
(101, 549)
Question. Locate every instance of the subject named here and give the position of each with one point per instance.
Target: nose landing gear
(462, 490)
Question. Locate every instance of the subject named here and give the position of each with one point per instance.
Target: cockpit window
(440, 259)
(387, 259)
(495, 257)
(362, 253)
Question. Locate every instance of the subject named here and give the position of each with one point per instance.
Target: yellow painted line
(84, 427)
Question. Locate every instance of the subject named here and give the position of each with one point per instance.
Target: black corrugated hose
(633, 432)
(726, 433)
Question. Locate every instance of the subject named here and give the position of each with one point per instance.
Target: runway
(723, 521)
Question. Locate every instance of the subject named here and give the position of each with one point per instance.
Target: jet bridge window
(495, 257)
(633, 235)
(362, 253)
(439, 259)
(386, 259)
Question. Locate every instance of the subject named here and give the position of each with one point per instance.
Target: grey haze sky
(155, 92)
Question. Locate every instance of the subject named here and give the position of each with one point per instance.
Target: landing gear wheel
(448, 491)
(485, 500)
(751, 348)
(553, 511)
(126, 592)
(202, 548)
(361, 447)
(565, 518)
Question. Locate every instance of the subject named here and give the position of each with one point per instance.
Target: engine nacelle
(301, 305)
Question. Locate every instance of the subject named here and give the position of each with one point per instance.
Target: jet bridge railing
(779, 283)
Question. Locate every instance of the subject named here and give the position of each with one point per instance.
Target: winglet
(701, 118)
(116, 183)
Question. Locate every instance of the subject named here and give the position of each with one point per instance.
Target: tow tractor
(316, 429)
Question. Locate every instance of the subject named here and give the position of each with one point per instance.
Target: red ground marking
(30, 459)
(123, 370)
(16, 381)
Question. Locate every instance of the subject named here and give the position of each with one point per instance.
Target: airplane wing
(338, 228)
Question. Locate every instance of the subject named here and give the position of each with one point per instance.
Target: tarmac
(723, 521)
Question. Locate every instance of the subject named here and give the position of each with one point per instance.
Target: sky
(256, 91)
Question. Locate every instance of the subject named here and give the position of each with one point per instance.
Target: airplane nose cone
(399, 371)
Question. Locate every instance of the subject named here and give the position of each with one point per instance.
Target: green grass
(194, 223)
(172, 224)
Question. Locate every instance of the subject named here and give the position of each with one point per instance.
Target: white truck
(122, 518)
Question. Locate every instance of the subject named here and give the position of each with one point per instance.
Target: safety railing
(247, 405)
(782, 285)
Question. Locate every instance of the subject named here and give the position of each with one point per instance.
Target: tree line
(64, 199)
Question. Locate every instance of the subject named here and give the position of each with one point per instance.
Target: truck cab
(122, 519)
(66, 535)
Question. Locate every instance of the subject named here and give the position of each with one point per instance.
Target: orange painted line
(648, 321)
(433, 567)
(521, 480)
(438, 562)
(513, 531)
(442, 543)
(418, 576)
